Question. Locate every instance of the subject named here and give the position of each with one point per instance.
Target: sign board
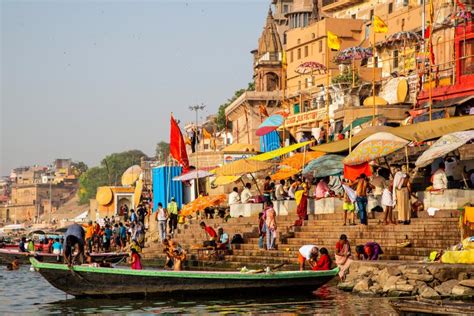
(228, 158)
(306, 117)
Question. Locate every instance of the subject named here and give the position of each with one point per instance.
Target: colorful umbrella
(284, 174)
(358, 122)
(443, 146)
(375, 146)
(241, 167)
(403, 39)
(296, 161)
(328, 165)
(270, 124)
(191, 175)
(310, 67)
(201, 203)
(350, 54)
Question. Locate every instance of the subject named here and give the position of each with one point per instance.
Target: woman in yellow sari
(301, 197)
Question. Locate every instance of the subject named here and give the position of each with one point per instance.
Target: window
(306, 83)
(284, 38)
(296, 108)
(320, 46)
(299, 54)
(371, 14)
(405, 3)
(313, 36)
(299, 84)
(395, 59)
(285, 8)
(354, 16)
(390, 7)
(376, 61)
(291, 56)
(306, 51)
(467, 59)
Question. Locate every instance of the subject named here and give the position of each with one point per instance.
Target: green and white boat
(87, 281)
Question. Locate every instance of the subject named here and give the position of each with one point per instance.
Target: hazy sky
(82, 79)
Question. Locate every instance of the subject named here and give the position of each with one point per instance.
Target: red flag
(461, 5)
(178, 146)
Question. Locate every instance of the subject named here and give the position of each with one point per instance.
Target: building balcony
(335, 5)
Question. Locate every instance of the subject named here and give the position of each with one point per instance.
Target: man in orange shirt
(89, 236)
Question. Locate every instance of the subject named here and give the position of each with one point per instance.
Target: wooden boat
(433, 307)
(87, 281)
(7, 255)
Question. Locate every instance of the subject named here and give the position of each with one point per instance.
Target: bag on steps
(237, 239)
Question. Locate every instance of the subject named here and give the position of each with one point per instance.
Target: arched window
(272, 81)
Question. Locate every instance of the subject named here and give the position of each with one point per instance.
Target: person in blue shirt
(57, 248)
(107, 237)
(22, 245)
(123, 235)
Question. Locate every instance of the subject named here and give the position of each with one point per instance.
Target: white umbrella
(443, 146)
(193, 174)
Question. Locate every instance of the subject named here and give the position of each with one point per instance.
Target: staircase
(424, 233)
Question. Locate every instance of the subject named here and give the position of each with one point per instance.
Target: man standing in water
(74, 242)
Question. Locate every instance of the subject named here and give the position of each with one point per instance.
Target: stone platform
(394, 279)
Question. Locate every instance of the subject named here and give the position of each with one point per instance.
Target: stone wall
(394, 279)
(446, 200)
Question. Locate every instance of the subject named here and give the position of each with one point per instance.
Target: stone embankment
(396, 279)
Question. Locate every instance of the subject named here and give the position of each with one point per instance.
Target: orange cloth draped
(353, 172)
(296, 161)
(201, 203)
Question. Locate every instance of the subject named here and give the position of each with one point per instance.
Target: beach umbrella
(403, 38)
(203, 202)
(223, 180)
(311, 67)
(241, 167)
(192, 175)
(324, 166)
(270, 124)
(350, 54)
(358, 122)
(131, 175)
(375, 146)
(284, 174)
(299, 160)
(443, 146)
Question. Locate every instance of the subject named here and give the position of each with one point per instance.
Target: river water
(26, 292)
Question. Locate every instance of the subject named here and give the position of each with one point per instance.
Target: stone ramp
(424, 233)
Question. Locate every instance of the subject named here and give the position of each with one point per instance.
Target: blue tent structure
(164, 188)
(269, 142)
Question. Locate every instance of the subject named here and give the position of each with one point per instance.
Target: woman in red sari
(301, 197)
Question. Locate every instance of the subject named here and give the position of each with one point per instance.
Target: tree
(78, 168)
(221, 119)
(162, 151)
(108, 173)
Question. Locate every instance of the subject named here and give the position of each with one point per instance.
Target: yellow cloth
(279, 152)
(333, 41)
(298, 196)
(468, 215)
(379, 25)
(463, 256)
(206, 134)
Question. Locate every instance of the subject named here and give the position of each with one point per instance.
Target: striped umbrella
(403, 39)
(310, 67)
(270, 124)
(350, 54)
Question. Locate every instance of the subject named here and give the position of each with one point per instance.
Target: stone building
(245, 113)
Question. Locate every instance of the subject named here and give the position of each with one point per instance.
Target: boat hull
(84, 281)
(8, 255)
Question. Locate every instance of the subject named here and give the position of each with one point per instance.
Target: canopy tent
(279, 152)
(191, 175)
(299, 160)
(238, 147)
(242, 166)
(201, 203)
(328, 165)
(375, 146)
(223, 180)
(130, 176)
(443, 146)
(415, 132)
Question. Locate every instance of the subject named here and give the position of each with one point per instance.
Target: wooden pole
(350, 138)
(373, 72)
(247, 124)
(353, 72)
(256, 184)
(327, 89)
(430, 47)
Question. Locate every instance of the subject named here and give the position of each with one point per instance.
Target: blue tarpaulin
(164, 188)
(270, 142)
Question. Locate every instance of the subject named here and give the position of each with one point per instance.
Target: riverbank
(399, 278)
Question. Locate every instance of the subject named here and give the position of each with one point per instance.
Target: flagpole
(430, 75)
(373, 71)
(327, 90)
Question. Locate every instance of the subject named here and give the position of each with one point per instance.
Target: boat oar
(274, 268)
